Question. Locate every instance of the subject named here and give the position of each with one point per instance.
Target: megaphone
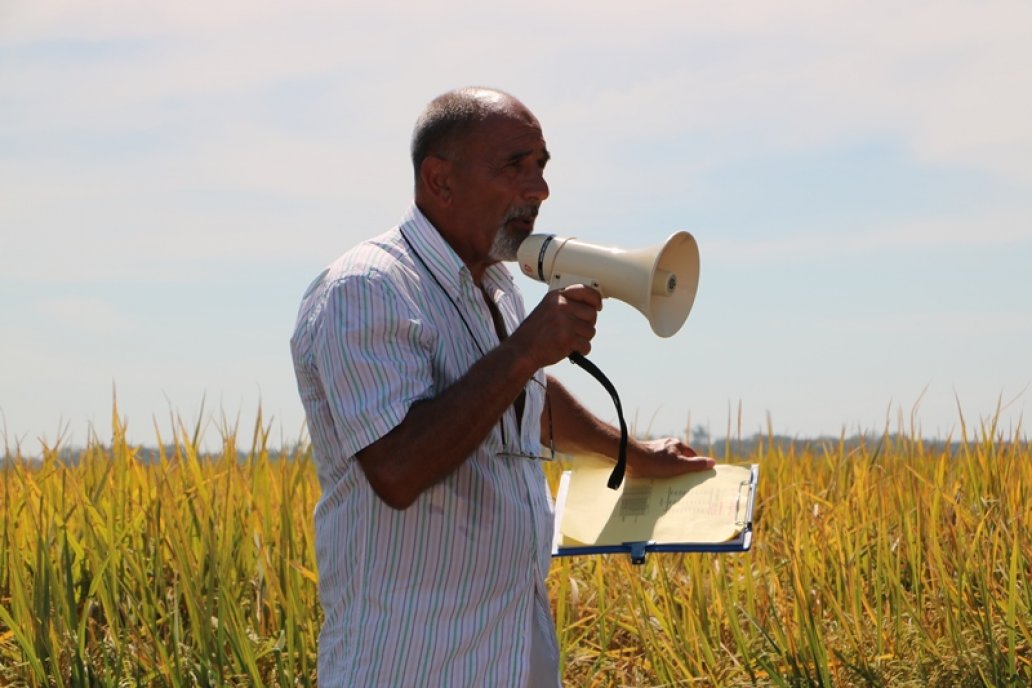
(661, 281)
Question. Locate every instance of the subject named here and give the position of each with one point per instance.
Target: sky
(858, 177)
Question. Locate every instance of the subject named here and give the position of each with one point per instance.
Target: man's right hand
(563, 323)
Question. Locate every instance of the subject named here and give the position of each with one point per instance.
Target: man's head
(478, 156)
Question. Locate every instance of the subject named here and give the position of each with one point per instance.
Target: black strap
(616, 477)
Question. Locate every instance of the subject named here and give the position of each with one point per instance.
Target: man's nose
(537, 188)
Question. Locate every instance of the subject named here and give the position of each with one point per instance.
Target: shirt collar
(441, 259)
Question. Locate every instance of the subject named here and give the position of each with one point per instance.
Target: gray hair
(452, 116)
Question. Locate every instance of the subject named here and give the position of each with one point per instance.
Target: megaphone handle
(616, 477)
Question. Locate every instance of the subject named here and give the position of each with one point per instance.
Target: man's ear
(435, 178)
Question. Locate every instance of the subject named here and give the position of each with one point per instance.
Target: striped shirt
(442, 593)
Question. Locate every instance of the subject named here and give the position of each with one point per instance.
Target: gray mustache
(527, 212)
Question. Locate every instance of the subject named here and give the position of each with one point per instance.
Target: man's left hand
(665, 457)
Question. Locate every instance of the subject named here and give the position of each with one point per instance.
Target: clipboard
(727, 493)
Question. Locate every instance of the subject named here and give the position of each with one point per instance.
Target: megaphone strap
(616, 477)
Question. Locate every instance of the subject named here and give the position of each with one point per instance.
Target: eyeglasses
(551, 435)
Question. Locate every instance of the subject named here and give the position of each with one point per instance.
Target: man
(422, 381)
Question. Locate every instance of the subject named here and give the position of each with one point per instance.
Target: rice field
(888, 563)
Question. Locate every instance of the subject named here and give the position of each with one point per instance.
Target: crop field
(885, 563)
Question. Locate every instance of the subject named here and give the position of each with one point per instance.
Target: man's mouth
(517, 225)
(522, 217)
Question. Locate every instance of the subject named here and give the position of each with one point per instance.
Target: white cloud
(945, 73)
(749, 76)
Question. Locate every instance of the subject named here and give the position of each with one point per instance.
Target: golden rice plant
(889, 562)
(184, 571)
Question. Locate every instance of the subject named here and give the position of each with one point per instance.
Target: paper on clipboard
(705, 507)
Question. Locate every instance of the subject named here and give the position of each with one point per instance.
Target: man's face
(499, 183)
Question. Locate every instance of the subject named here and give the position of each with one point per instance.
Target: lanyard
(472, 336)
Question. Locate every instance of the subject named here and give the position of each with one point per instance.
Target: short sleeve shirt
(441, 593)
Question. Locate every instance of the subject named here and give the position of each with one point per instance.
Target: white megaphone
(660, 281)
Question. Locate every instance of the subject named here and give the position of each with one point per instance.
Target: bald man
(422, 380)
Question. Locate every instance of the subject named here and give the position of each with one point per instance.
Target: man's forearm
(575, 428)
(438, 434)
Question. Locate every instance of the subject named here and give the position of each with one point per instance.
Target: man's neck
(477, 267)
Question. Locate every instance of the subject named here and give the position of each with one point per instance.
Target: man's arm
(437, 435)
(577, 430)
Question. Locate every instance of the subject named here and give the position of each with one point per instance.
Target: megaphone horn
(661, 281)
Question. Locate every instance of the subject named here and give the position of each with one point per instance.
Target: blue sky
(858, 176)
